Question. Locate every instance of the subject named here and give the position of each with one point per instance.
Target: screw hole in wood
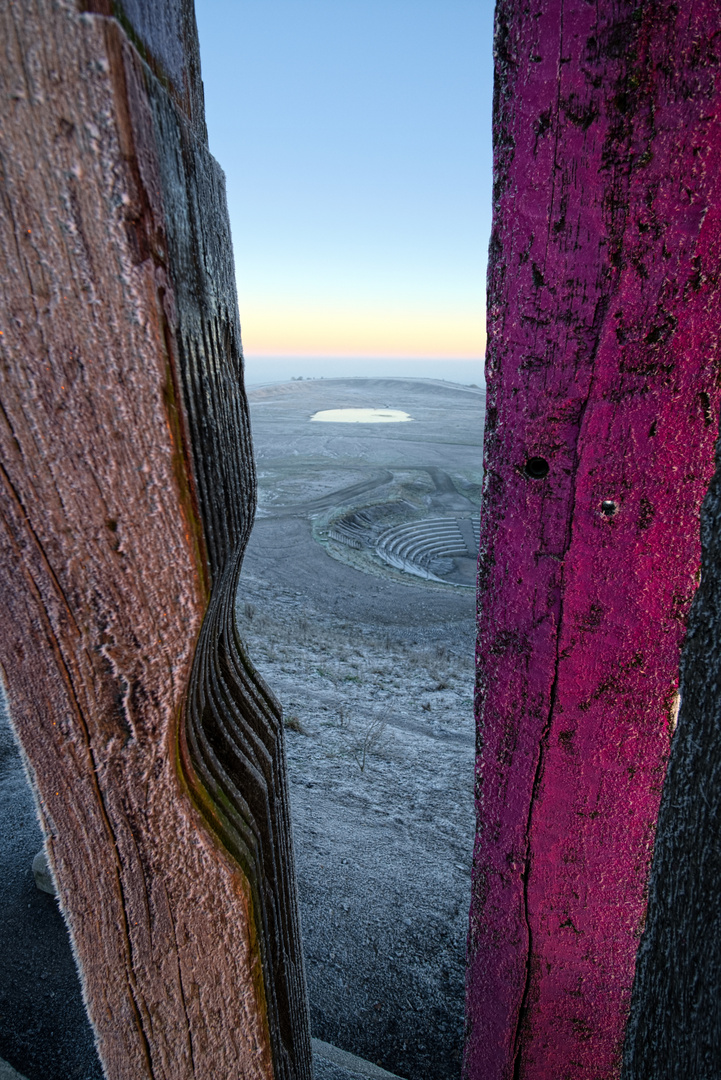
(537, 468)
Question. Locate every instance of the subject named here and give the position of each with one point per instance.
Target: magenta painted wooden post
(603, 402)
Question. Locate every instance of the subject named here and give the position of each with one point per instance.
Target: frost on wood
(127, 495)
(602, 371)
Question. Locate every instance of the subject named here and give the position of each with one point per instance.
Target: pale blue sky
(356, 140)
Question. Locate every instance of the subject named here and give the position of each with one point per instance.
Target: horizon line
(360, 356)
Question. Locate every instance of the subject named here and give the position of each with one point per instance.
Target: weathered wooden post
(603, 407)
(127, 497)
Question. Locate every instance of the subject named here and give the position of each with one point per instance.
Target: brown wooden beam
(127, 496)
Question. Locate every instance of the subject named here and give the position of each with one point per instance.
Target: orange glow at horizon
(304, 332)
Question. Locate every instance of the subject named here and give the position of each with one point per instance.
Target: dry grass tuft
(368, 741)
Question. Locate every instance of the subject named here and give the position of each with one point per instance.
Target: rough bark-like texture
(127, 498)
(602, 369)
(674, 1029)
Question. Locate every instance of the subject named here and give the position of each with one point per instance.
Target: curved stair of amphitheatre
(419, 547)
(356, 530)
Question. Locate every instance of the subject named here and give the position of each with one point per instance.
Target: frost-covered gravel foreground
(379, 738)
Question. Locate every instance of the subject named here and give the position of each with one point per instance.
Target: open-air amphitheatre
(408, 515)
(429, 547)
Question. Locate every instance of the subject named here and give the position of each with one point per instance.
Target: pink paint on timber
(603, 360)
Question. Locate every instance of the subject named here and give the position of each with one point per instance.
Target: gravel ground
(374, 669)
(380, 757)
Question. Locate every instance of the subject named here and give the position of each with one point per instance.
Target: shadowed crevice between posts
(674, 1027)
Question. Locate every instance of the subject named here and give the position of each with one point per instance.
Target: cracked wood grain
(127, 493)
(602, 370)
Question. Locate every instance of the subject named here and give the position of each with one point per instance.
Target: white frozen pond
(362, 416)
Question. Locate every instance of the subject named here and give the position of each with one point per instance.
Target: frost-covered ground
(379, 738)
(374, 671)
